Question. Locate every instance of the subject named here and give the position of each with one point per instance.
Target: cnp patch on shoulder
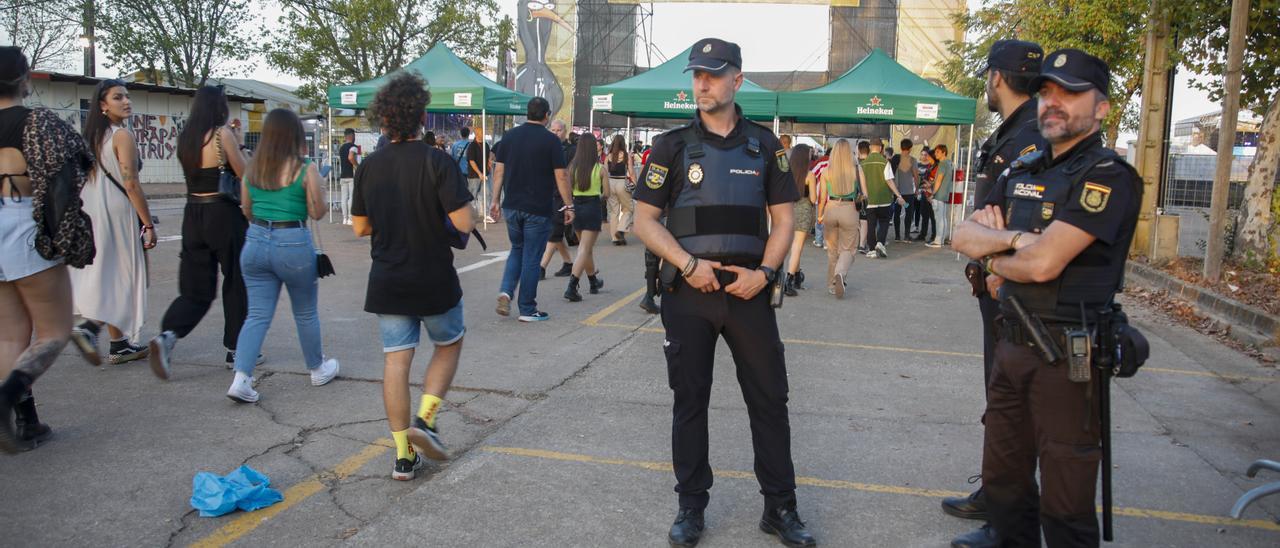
(655, 176)
(783, 163)
(1030, 148)
(1094, 197)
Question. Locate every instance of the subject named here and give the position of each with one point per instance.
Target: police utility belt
(1110, 343)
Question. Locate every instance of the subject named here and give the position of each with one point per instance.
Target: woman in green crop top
(587, 179)
(281, 189)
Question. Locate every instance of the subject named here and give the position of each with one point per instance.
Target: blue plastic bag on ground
(244, 488)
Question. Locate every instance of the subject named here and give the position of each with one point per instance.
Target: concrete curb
(1249, 325)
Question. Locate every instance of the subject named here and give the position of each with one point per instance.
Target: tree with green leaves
(1202, 29)
(181, 42)
(330, 42)
(1112, 30)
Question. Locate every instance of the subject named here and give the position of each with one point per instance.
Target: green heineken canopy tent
(666, 91)
(455, 87)
(877, 91)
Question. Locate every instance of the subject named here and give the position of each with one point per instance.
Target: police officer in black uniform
(722, 179)
(1054, 235)
(1011, 64)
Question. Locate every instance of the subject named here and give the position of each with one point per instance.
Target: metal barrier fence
(1189, 181)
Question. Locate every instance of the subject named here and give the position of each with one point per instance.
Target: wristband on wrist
(1013, 243)
(990, 264)
(690, 267)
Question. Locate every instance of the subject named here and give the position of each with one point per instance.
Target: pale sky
(795, 38)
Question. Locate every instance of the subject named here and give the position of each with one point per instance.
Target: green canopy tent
(666, 91)
(878, 90)
(455, 89)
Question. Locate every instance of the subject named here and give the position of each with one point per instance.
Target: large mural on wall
(545, 54)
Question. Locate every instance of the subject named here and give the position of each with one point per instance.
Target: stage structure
(564, 47)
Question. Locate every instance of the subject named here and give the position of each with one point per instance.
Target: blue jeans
(528, 234)
(272, 257)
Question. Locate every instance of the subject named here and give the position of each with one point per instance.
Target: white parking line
(497, 257)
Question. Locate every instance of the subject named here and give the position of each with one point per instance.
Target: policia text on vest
(719, 179)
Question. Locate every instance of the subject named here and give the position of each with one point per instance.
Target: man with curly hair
(400, 194)
(531, 167)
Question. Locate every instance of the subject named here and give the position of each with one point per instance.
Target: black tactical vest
(1034, 195)
(719, 211)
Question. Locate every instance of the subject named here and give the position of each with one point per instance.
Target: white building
(159, 113)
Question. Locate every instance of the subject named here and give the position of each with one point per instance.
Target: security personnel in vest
(1054, 235)
(1011, 64)
(722, 179)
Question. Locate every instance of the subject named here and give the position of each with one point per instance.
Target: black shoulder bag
(228, 183)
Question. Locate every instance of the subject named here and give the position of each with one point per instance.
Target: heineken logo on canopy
(681, 102)
(875, 106)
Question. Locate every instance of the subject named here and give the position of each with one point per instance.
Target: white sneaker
(159, 350)
(872, 254)
(321, 376)
(489, 219)
(882, 251)
(242, 389)
(838, 290)
(933, 245)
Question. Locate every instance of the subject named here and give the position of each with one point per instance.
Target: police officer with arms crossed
(1011, 64)
(720, 176)
(1054, 236)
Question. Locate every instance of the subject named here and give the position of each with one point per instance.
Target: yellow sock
(427, 409)
(403, 449)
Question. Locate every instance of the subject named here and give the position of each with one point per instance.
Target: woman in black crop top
(213, 231)
(621, 182)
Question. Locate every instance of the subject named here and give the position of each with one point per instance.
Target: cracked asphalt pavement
(560, 430)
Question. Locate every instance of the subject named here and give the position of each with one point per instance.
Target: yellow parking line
(601, 315)
(1163, 515)
(1208, 374)
(247, 522)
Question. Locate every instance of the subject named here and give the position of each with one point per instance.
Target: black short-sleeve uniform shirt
(345, 169)
(666, 170)
(1016, 137)
(1109, 212)
(406, 189)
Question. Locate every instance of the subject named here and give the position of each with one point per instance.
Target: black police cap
(1015, 56)
(714, 55)
(1074, 70)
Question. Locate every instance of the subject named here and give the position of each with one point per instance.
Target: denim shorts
(402, 332)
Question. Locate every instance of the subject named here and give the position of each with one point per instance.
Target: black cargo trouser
(1035, 415)
(212, 237)
(694, 321)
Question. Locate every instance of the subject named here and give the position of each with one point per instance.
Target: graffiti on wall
(157, 135)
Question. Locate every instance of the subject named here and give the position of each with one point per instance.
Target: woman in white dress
(113, 290)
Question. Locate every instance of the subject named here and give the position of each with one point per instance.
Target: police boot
(799, 278)
(594, 282)
(784, 522)
(982, 537)
(571, 293)
(789, 286)
(31, 432)
(973, 506)
(687, 529)
(647, 304)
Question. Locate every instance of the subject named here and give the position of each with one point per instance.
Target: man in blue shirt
(531, 167)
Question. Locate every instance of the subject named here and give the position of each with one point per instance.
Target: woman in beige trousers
(841, 184)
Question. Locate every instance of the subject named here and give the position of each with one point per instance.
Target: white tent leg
(484, 172)
(328, 144)
(591, 120)
(968, 175)
(775, 125)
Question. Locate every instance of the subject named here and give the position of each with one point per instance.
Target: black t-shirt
(405, 190)
(474, 157)
(345, 169)
(665, 169)
(530, 156)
